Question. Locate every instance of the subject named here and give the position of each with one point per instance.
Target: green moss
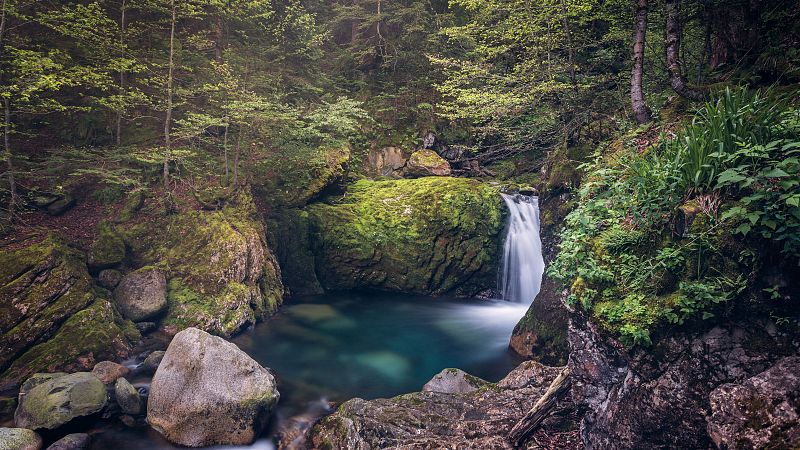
(221, 273)
(427, 235)
(90, 335)
(108, 250)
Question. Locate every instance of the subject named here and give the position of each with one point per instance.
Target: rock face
(51, 315)
(109, 278)
(659, 397)
(223, 278)
(386, 162)
(426, 420)
(761, 412)
(206, 391)
(426, 163)
(60, 400)
(542, 333)
(429, 235)
(19, 439)
(454, 381)
(142, 294)
(288, 235)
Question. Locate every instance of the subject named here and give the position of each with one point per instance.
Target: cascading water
(522, 265)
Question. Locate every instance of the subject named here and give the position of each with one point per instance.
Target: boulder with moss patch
(61, 400)
(431, 235)
(19, 439)
(222, 276)
(108, 250)
(426, 163)
(208, 392)
(51, 314)
(142, 294)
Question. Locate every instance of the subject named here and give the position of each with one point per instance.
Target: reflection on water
(364, 344)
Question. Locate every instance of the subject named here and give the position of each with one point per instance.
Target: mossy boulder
(425, 163)
(46, 297)
(222, 276)
(431, 235)
(108, 250)
(60, 400)
(305, 174)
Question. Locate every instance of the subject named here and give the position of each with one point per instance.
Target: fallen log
(543, 407)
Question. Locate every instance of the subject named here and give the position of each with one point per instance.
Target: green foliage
(618, 253)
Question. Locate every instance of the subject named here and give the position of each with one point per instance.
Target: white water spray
(522, 265)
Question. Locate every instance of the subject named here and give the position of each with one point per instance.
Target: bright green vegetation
(427, 235)
(676, 232)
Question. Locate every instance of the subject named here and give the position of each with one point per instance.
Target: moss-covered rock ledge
(429, 235)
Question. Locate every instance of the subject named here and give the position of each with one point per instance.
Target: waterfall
(522, 265)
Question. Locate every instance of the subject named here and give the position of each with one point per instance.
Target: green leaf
(774, 173)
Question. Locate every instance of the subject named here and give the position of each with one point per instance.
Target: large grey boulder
(109, 371)
(60, 400)
(207, 391)
(19, 439)
(127, 397)
(142, 294)
(761, 411)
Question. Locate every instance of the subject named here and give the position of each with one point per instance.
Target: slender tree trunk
(570, 48)
(12, 185)
(168, 118)
(236, 158)
(219, 30)
(640, 110)
(225, 151)
(701, 64)
(122, 25)
(672, 9)
(354, 28)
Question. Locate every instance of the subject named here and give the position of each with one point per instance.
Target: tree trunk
(570, 48)
(672, 9)
(168, 116)
(236, 158)
(12, 185)
(219, 30)
(225, 151)
(640, 110)
(122, 73)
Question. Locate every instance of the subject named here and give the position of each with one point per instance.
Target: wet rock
(142, 294)
(146, 327)
(108, 372)
(659, 397)
(454, 381)
(75, 441)
(153, 360)
(109, 278)
(19, 439)
(127, 397)
(760, 412)
(60, 400)
(108, 250)
(207, 391)
(61, 206)
(479, 419)
(426, 163)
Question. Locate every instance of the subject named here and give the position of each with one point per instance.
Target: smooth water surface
(364, 344)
